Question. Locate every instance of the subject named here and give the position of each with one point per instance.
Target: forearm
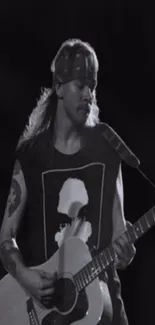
(11, 258)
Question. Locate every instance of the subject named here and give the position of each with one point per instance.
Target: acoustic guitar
(78, 299)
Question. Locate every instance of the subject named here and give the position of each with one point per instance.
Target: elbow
(5, 236)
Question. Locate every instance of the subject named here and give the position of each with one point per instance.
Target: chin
(79, 124)
(82, 121)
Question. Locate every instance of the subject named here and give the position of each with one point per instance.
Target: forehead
(81, 83)
(70, 85)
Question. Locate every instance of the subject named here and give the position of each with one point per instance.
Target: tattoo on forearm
(7, 253)
(14, 198)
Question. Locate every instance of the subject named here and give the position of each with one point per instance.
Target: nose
(87, 94)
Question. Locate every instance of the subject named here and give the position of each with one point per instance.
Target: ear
(59, 90)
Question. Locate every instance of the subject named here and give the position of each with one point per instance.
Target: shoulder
(33, 149)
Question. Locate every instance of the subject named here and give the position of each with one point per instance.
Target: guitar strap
(119, 145)
(123, 150)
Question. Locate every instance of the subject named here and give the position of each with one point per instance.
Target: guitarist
(66, 181)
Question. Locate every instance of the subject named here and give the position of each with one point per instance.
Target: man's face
(77, 99)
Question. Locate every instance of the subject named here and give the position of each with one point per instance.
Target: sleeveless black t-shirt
(63, 189)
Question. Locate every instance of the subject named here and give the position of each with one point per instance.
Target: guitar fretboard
(104, 259)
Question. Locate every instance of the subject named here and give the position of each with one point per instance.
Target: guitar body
(83, 308)
(71, 305)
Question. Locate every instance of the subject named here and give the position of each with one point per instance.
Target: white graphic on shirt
(72, 197)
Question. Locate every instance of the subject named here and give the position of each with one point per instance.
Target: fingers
(124, 250)
(47, 292)
(47, 275)
(46, 284)
(48, 279)
(124, 246)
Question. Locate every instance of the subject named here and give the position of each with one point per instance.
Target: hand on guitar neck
(124, 249)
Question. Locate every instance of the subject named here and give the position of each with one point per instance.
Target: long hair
(43, 115)
(40, 119)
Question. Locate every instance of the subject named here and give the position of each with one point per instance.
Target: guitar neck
(104, 259)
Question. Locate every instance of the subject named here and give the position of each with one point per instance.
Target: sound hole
(65, 294)
(77, 313)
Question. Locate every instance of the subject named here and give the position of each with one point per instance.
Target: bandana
(75, 63)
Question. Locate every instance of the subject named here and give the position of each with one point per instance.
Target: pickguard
(79, 312)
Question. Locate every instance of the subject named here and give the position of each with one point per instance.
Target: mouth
(85, 108)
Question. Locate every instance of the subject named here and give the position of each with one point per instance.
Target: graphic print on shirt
(72, 202)
(72, 197)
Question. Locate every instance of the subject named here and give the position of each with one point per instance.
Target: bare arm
(9, 252)
(37, 283)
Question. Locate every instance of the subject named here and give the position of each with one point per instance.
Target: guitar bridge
(32, 313)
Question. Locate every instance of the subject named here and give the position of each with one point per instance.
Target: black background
(122, 33)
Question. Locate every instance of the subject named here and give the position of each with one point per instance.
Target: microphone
(119, 145)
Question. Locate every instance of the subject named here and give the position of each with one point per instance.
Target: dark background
(122, 33)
